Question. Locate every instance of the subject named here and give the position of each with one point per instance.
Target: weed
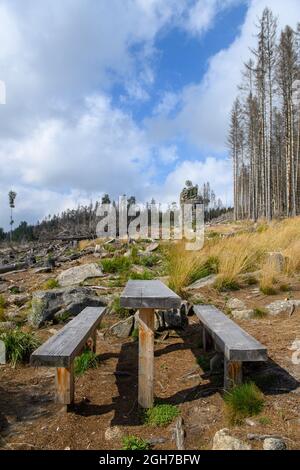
(264, 420)
(134, 443)
(243, 401)
(144, 276)
(87, 360)
(120, 264)
(51, 284)
(135, 334)
(161, 415)
(260, 312)
(19, 345)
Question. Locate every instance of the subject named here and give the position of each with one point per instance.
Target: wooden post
(146, 357)
(233, 373)
(64, 380)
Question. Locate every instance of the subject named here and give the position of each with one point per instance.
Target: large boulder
(282, 306)
(223, 441)
(76, 275)
(204, 282)
(272, 443)
(46, 304)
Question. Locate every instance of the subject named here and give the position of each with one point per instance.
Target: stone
(204, 282)
(45, 304)
(112, 433)
(282, 306)
(123, 329)
(2, 352)
(272, 443)
(18, 299)
(42, 270)
(79, 274)
(152, 247)
(223, 441)
(277, 260)
(243, 314)
(236, 304)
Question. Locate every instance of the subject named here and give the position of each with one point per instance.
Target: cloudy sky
(119, 96)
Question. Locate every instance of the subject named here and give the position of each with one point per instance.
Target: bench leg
(146, 357)
(207, 341)
(64, 380)
(233, 373)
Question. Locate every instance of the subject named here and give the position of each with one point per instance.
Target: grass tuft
(161, 415)
(19, 345)
(243, 401)
(134, 443)
(87, 360)
(260, 313)
(51, 284)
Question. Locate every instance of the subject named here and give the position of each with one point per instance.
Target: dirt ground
(107, 396)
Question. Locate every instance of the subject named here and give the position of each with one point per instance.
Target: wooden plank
(233, 373)
(149, 294)
(146, 357)
(64, 381)
(60, 349)
(230, 338)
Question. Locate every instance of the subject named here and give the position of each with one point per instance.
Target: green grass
(2, 308)
(149, 261)
(211, 266)
(260, 313)
(19, 345)
(120, 311)
(224, 285)
(144, 276)
(87, 360)
(134, 443)
(161, 415)
(120, 264)
(264, 421)
(51, 284)
(268, 290)
(243, 401)
(203, 362)
(135, 334)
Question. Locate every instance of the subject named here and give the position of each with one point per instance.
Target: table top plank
(149, 294)
(60, 349)
(236, 343)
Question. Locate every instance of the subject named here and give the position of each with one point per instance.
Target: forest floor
(106, 396)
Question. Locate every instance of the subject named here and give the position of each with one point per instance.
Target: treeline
(265, 126)
(82, 222)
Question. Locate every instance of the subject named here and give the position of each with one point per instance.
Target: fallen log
(7, 268)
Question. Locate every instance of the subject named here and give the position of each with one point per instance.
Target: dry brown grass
(235, 255)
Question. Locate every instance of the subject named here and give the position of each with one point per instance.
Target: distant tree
(106, 199)
(11, 198)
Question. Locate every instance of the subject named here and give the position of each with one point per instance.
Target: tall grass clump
(87, 360)
(19, 345)
(120, 264)
(242, 402)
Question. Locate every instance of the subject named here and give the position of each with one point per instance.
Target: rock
(45, 269)
(223, 441)
(112, 433)
(2, 352)
(123, 328)
(7, 326)
(79, 274)
(18, 299)
(243, 314)
(45, 304)
(206, 281)
(137, 269)
(277, 260)
(282, 306)
(236, 304)
(152, 247)
(272, 443)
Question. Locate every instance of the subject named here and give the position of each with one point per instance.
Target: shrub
(161, 415)
(120, 264)
(19, 345)
(243, 401)
(224, 284)
(264, 420)
(134, 443)
(51, 284)
(87, 360)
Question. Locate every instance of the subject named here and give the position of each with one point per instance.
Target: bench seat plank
(149, 294)
(234, 342)
(60, 349)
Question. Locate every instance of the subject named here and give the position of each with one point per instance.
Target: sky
(119, 96)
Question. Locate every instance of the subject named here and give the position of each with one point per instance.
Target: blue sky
(119, 96)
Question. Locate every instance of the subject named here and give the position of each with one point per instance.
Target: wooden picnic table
(146, 296)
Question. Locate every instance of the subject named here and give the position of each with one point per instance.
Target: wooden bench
(228, 338)
(60, 350)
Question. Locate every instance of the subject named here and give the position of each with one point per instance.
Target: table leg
(146, 357)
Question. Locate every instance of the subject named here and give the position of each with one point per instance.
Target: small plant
(251, 280)
(87, 360)
(285, 287)
(135, 334)
(19, 345)
(120, 264)
(14, 290)
(149, 261)
(243, 401)
(223, 284)
(267, 290)
(260, 312)
(121, 311)
(134, 443)
(144, 276)
(161, 415)
(264, 421)
(51, 284)
(203, 362)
